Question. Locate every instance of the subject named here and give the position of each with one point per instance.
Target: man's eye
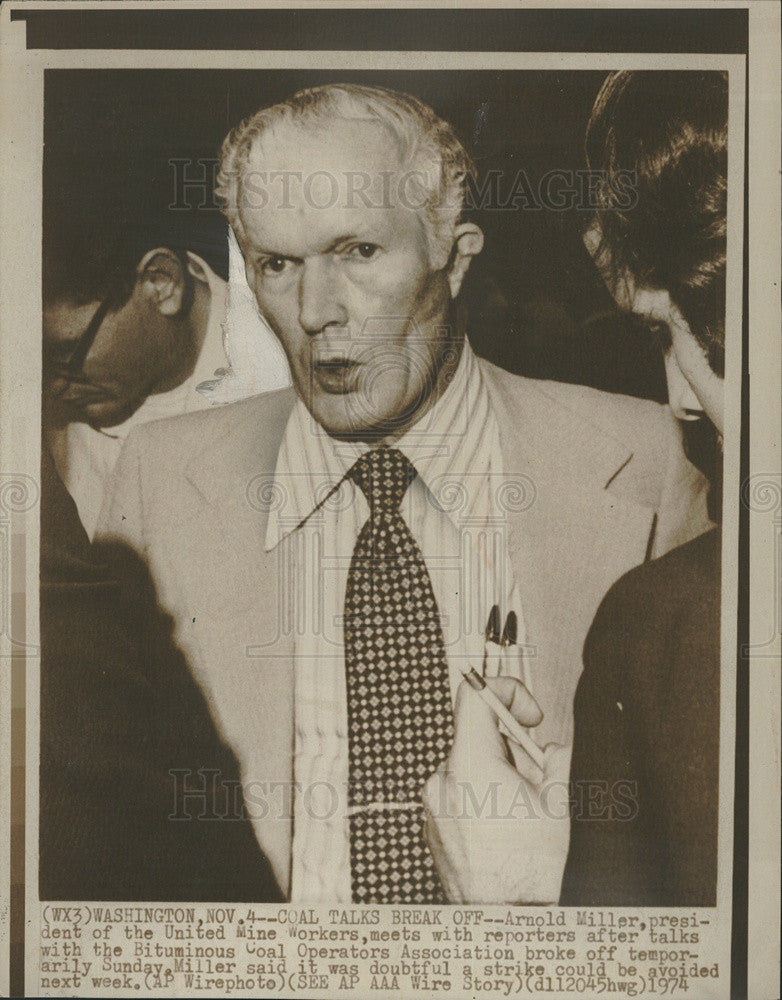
(274, 265)
(365, 250)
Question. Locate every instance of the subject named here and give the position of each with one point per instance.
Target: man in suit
(330, 552)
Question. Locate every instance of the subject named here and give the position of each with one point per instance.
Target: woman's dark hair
(659, 140)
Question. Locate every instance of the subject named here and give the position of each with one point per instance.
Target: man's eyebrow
(259, 252)
(340, 241)
(335, 244)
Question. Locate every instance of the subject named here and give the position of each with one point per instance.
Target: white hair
(422, 138)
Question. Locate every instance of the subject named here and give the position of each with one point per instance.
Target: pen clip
(493, 625)
(511, 631)
(491, 645)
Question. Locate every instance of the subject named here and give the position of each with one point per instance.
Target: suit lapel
(566, 551)
(571, 536)
(575, 526)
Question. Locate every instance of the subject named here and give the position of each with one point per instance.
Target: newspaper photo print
(386, 557)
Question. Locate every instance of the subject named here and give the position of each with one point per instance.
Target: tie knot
(383, 475)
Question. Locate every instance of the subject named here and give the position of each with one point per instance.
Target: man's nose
(681, 397)
(320, 299)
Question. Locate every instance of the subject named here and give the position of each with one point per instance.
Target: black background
(434, 29)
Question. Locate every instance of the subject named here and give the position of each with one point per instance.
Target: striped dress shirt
(454, 509)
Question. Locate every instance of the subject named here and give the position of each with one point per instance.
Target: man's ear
(161, 279)
(468, 244)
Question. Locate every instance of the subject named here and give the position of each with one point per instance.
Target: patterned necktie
(400, 717)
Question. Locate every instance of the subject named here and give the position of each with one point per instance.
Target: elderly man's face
(340, 268)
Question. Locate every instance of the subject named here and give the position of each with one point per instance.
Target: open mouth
(336, 375)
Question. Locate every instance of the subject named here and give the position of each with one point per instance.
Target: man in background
(135, 319)
(134, 325)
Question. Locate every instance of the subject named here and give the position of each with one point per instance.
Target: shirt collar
(445, 445)
(448, 448)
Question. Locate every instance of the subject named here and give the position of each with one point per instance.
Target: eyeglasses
(60, 372)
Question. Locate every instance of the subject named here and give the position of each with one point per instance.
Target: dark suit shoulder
(661, 618)
(660, 584)
(647, 715)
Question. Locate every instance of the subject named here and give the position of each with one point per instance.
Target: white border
(22, 128)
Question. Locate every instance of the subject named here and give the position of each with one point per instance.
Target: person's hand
(497, 828)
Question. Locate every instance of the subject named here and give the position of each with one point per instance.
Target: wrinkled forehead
(333, 143)
(303, 183)
(339, 160)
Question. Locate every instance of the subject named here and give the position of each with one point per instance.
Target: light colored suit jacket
(596, 483)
